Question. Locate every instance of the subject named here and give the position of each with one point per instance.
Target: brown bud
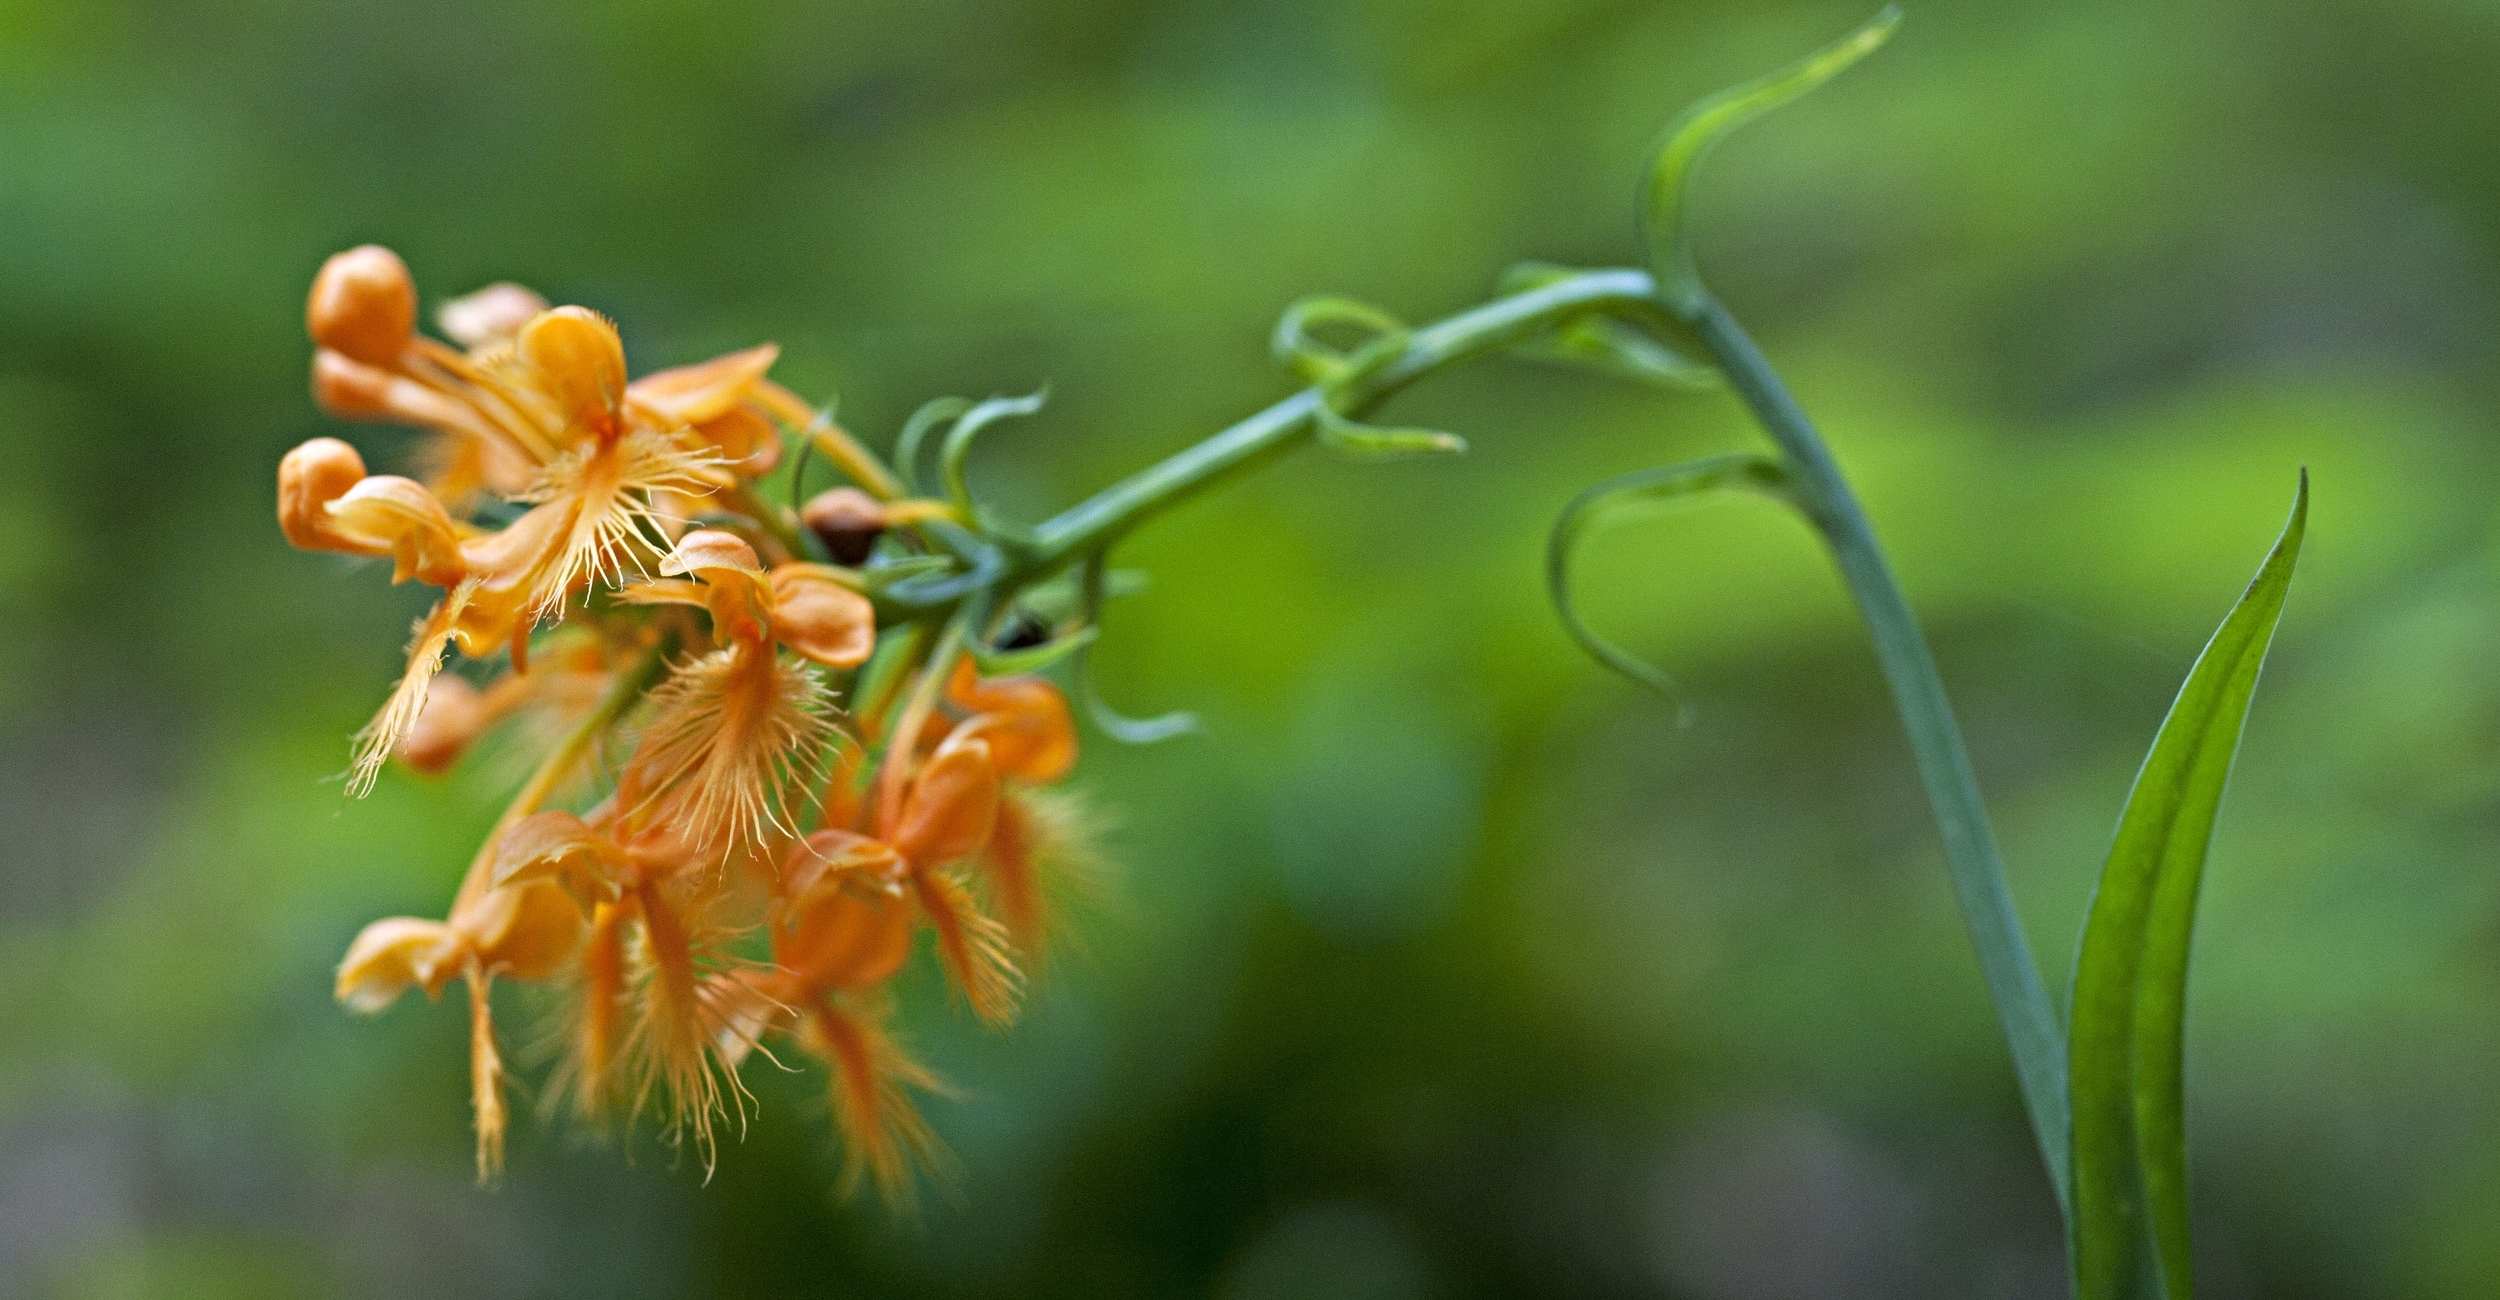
(847, 520)
(494, 314)
(363, 305)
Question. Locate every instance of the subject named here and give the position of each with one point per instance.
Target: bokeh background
(1443, 963)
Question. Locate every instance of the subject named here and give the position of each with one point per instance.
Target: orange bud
(580, 362)
(847, 520)
(309, 479)
(363, 305)
(490, 315)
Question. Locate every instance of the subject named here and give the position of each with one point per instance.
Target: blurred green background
(1443, 963)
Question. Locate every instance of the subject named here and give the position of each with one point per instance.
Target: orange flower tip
(390, 957)
(363, 305)
(489, 316)
(309, 479)
(847, 520)
(709, 550)
(580, 362)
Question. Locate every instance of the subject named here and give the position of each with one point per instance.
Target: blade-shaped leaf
(2130, 1151)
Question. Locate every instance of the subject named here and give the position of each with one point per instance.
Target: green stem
(2032, 1027)
(1101, 519)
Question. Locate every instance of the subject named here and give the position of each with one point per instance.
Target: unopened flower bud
(363, 305)
(494, 314)
(847, 520)
(309, 479)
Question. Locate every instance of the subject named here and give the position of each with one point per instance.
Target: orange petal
(390, 957)
(488, 316)
(952, 805)
(526, 932)
(845, 941)
(399, 516)
(363, 305)
(543, 845)
(1031, 730)
(706, 551)
(684, 395)
(743, 437)
(832, 861)
(820, 618)
(579, 362)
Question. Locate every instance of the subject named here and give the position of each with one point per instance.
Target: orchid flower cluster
(782, 737)
(764, 811)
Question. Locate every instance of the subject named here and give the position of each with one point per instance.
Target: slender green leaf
(1665, 215)
(2130, 1207)
(932, 413)
(1660, 486)
(1095, 586)
(1359, 441)
(957, 448)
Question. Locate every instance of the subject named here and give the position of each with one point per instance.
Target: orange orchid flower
(526, 932)
(739, 731)
(656, 1009)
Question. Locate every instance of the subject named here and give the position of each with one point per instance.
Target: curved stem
(2032, 1025)
(1107, 514)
